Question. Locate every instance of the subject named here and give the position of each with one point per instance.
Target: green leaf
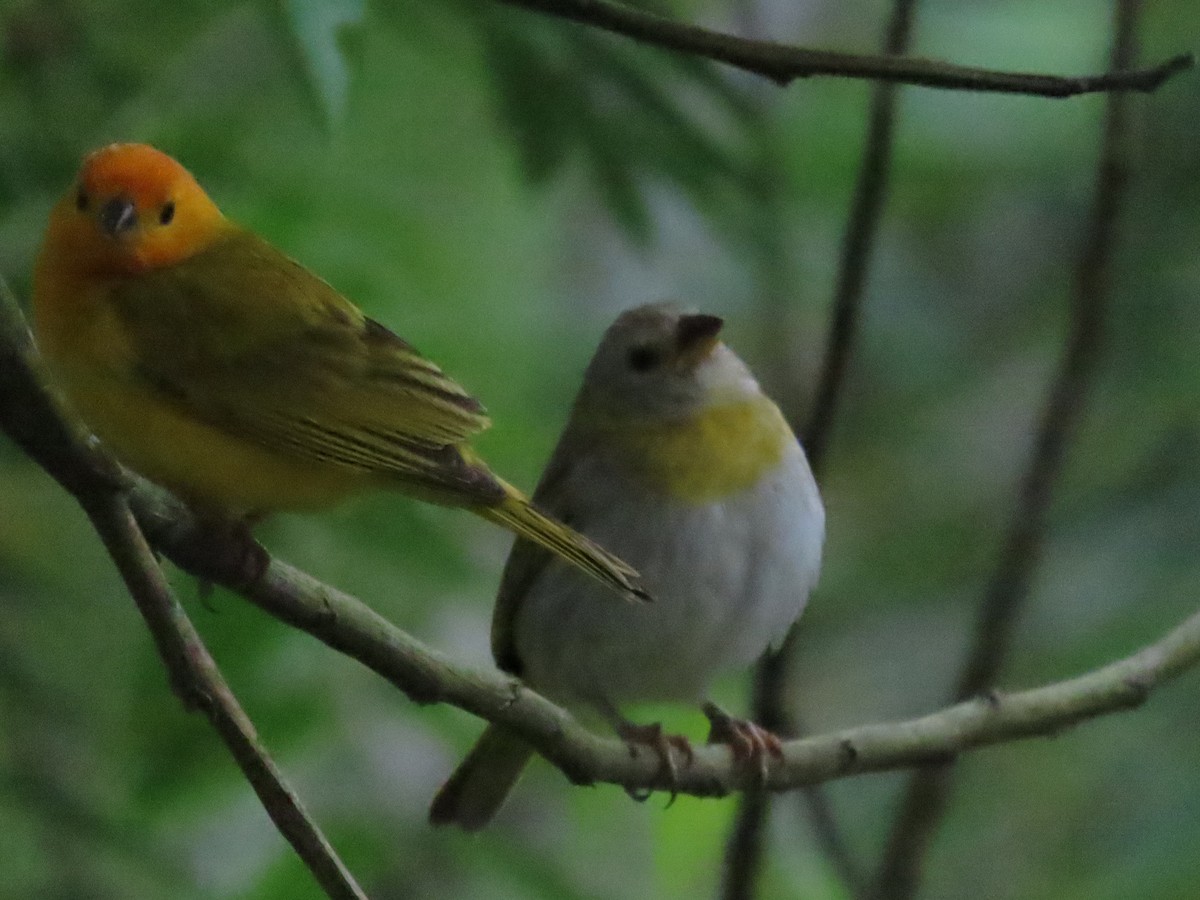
(322, 31)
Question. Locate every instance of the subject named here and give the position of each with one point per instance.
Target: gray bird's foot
(748, 742)
(665, 745)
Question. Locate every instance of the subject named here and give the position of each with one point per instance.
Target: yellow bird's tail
(519, 516)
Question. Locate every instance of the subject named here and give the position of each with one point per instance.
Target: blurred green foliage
(496, 186)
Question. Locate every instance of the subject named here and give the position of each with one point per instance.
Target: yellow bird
(215, 365)
(676, 459)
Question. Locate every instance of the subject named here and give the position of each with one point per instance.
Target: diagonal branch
(200, 685)
(783, 63)
(428, 676)
(425, 675)
(927, 794)
(27, 413)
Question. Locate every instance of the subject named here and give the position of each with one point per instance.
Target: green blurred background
(496, 186)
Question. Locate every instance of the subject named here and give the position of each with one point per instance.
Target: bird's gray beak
(696, 335)
(118, 216)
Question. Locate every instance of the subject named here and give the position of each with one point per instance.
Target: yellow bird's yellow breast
(718, 453)
(78, 332)
(214, 471)
(93, 361)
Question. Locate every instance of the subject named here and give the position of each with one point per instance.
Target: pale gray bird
(677, 461)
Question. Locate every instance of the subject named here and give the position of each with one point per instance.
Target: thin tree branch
(745, 847)
(201, 686)
(425, 675)
(858, 241)
(783, 64)
(27, 413)
(428, 676)
(927, 794)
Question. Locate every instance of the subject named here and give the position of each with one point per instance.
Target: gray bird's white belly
(728, 579)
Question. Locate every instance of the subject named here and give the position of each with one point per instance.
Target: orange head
(131, 209)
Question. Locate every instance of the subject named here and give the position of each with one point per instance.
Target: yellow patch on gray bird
(720, 451)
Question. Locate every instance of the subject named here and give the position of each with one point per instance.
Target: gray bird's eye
(644, 358)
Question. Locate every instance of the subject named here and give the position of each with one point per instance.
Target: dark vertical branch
(870, 193)
(927, 794)
(744, 852)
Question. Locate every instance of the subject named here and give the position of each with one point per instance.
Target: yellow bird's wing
(245, 339)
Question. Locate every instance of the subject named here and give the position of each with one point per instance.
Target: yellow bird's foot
(748, 742)
(665, 745)
(232, 554)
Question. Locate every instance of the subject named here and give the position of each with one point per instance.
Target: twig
(745, 848)
(28, 415)
(783, 64)
(425, 675)
(927, 794)
(203, 687)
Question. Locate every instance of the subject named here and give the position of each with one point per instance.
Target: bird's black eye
(643, 359)
(81, 200)
(167, 213)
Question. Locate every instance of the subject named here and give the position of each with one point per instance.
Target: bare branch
(27, 413)
(858, 241)
(927, 794)
(782, 63)
(427, 676)
(201, 686)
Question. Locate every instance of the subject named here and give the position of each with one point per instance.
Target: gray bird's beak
(696, 336)
(118, 216)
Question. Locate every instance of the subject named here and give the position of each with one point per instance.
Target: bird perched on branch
(213, 364)
(675, 459)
